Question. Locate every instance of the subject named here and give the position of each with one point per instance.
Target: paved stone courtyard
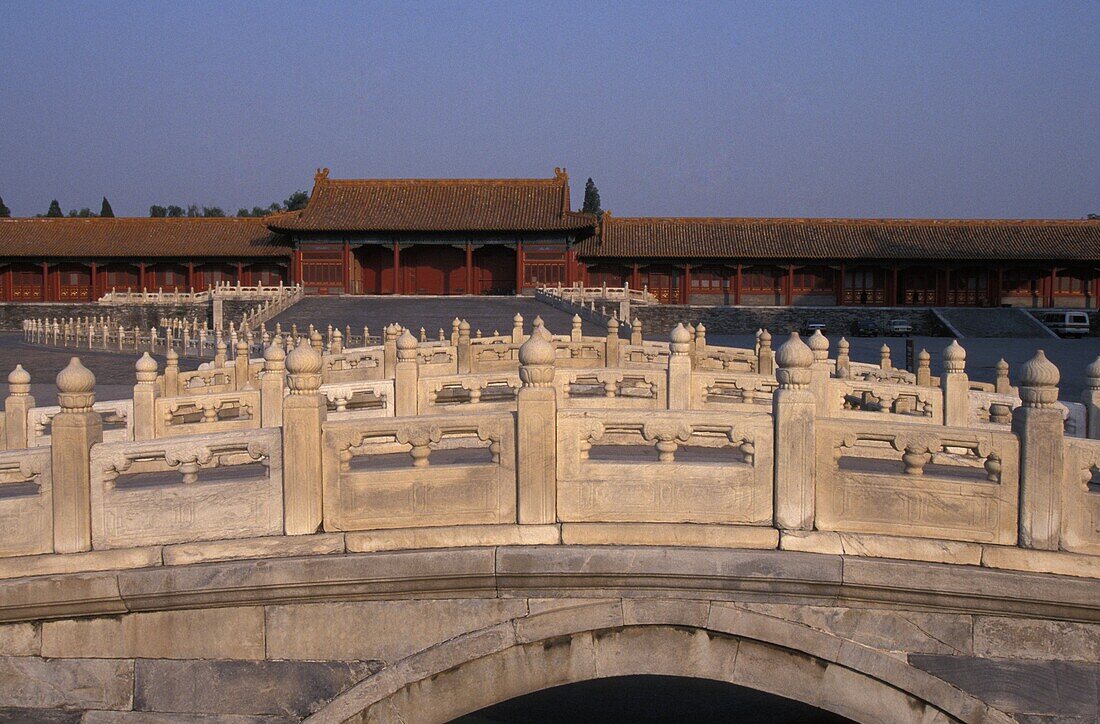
(432, 313)
(115, 373)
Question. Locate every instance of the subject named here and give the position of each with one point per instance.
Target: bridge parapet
(535, 437)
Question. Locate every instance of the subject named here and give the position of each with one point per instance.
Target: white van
(1066, 324)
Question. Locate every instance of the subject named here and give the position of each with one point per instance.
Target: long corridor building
(508, 236)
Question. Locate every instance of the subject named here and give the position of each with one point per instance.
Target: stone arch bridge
(418, 530)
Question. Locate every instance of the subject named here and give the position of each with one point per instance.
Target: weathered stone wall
(446, 632)
(128, 315)
(658, 319)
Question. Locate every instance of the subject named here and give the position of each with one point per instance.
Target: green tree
(175, 212)
(55, 210)
(105, 210)
(193, 210)
(84, 213)
(5, 212)
(1090, 217)
(296, 201)
(157, 212)
(212, 212)
(591, 199)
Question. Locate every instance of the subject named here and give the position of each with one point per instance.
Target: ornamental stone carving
(76, 387)
(1039, 379)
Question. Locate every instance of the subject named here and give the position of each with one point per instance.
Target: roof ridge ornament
(321, 175)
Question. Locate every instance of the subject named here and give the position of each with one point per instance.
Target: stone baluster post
(537, 431)
(337, 346)
(463, 349)
(1090, 398)
(955, 386)
(389, 349)
(700, 344)
(316, 341)
(611, 349)
(820, 372)
(240, 365)
(679, 369)
(145, 398)
(406, 376)
(272, 382)
(576, 331)
(1001, 383)
(517, 328)
(74, 430)
(924, 368)
(636, 332)
(765, 357)
(220, 351)
(843, 360)
(304, 412)
(1038, 424)
(794, 410)
(884, 358)
(171, 374)
(16, 406)
(454, 330)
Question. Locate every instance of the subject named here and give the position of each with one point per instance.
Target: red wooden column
(519, 267)
(570, 260)
(9, 292)
(788, 293)
(240, 272)
(635, 278)
(190, 275)
(470, 269)
(141, 275)
(996, 294)
(45, 282)
(685, 291)
(346, 264)
(838, 285)
(892, 293)
(94, 280)
(397, 285)
(946, 287)
(1051, 284)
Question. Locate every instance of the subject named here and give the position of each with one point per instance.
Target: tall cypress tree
(591, 199)
(55, 210)
(5, 212)
(106, 209)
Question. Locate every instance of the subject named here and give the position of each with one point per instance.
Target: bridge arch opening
(650, 698)
(474, 673)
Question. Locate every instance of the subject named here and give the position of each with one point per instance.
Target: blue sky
(722, 109)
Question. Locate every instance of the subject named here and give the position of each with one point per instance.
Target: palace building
(508, 236)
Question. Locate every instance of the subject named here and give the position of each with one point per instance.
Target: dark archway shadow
(651, 699)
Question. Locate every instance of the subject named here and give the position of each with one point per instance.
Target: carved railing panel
(205, 487)
(117, 417)
(864, 399)
(745, 392)
(197, 415)
(354, 365)
(1081, 497)
(929, 482)
(26, 502)
(664, 467)
(414, 472)
(476, 393)
(619, 389)
(359, 399)
(648, 355)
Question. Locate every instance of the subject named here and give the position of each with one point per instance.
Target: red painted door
(375, 269)
(495, 270)
(433, 269)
